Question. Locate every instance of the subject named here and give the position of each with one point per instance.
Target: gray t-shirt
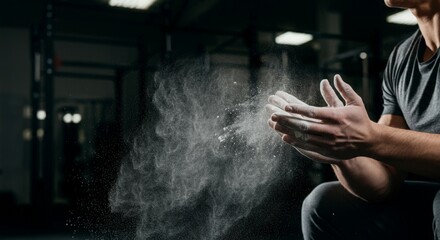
(411, 87)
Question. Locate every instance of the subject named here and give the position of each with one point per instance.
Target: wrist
(374, 141)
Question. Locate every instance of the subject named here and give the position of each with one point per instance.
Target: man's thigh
(330, 212)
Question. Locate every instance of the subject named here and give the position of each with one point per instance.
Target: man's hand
(336, 132)
(281, 99)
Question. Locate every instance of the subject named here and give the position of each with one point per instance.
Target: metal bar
(118, 85)
(179, 14)
(208, 31)
(93, 65)
(233, 52)
(83, 100)
(251, 38)
(126, 43)
(230, 65)
(224, 44)
(166, 34)
(35, 105)
(99, 41)
(365, 83)
(254, 60)
(374, 69)
(142, 61)
(85, 76)
(48, 139)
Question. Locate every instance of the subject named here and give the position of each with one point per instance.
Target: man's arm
(347, 132)
(413, 151)
(370, 179)
(364, 177)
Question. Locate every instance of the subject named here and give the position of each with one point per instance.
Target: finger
(316, 140)
(319, 113)
(347, 92)
(289, 98)
(272, 109)
(329, 94)
(302, 125)
(277, 101)
(281, 113)
(299, 144)
(273, 125)
(284, 129)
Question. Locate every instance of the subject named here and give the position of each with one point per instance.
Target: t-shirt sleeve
(390, 104)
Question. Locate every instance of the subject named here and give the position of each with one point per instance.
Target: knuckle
(292, 107)
(334, 135)
(306, 137)
(269, 122)
(303, 126)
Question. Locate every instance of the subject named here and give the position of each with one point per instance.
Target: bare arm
(345, 132)
(370, 179)
(412, 151)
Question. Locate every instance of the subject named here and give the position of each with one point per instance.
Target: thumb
(347, 92)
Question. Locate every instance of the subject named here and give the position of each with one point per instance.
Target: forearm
(367, 178)
(408, 150)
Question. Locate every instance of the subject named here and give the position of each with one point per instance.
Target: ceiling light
(403, 17)
(76, 118)
(363, 55)
(67, 118)
(138, 4)
(41, 114)
(293, 38)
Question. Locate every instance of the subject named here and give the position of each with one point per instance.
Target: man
(371, 200)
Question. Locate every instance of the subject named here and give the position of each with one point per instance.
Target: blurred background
(76, 80)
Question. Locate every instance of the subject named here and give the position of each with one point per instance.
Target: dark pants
(330, 212)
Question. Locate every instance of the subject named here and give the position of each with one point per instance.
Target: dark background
(87, 58)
